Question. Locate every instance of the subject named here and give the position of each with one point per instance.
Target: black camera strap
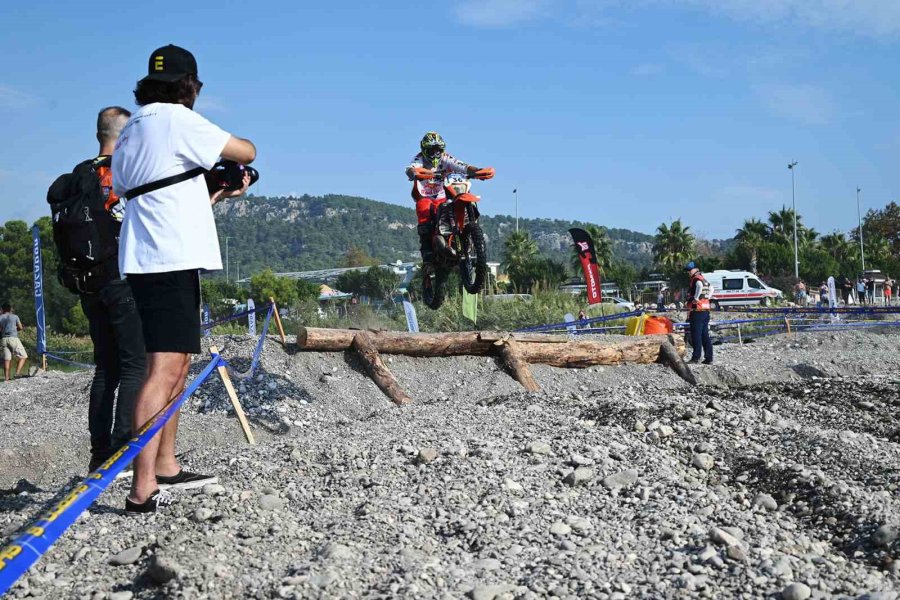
(164, 182)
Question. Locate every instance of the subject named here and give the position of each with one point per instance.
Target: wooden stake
(668, 355)
(278, 320)
(516, 365)
(787, 324)
(232, 395)
(740, 339)
(44, 361)
(380, 374)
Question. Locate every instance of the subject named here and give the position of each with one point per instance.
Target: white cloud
(804, 103)
(867, 17)
(647, 70)
(862, 17)
(500, 13)
(11, 97)
(207, 104)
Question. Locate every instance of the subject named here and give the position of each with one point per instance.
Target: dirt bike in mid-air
(458, 241)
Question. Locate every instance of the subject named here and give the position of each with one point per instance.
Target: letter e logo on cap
(158, 63)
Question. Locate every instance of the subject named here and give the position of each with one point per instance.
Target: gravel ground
(776, 478)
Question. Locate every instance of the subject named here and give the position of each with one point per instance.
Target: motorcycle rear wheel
(473, 259)
(434, 286)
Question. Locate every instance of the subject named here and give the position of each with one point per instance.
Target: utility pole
(516, 196)
(794, 209)
(227, 272)
(862, 251)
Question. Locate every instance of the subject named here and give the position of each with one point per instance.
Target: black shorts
(169, 305)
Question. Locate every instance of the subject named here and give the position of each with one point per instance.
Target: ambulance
(740, 288)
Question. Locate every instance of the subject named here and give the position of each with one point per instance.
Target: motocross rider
(428, 191)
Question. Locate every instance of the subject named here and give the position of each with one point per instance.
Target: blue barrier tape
(24, 550)
(262, 340)
(566, 324)
(70, 351)
(813, 309)
(69, 362)
(237, 316)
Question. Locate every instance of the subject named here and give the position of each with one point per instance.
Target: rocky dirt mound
(776, 476)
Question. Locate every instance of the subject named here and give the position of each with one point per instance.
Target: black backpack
(86, 234)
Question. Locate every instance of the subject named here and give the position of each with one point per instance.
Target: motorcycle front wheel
(473, 259)
(434, 286)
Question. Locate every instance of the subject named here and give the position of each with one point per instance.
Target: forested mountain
(310, 232)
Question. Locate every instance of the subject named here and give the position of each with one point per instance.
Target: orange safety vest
(701, 303)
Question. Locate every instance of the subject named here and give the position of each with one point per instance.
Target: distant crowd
(865, 291)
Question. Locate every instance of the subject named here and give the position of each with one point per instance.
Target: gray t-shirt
(8, 325)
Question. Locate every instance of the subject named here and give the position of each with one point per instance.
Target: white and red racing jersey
(434, 188)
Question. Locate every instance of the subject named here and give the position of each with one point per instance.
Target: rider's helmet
(432, 146)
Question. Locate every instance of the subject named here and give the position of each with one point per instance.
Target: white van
(740, 288)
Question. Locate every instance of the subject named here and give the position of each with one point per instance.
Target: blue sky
(623, 113)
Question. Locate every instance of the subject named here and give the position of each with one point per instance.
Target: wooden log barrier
(380, 374)
(555, 352)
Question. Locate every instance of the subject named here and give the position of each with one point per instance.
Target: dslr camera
(228, 175)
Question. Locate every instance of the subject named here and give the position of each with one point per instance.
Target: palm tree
(518, 249)
(751, 236)
(602, 249)
(782, 223)
(673, 245)
(837, 245)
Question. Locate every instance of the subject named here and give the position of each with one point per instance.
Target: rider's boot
(426, 245)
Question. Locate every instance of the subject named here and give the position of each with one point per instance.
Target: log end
(302, 336)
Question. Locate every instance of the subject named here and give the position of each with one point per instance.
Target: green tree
(381, 283)
(673, 246)
(266, 284)
(538, 273)
(750, 237)
(357, 257)
(351, 282)
(76, 323)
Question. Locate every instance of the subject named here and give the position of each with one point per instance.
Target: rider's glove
(422, 173)
(485, 173)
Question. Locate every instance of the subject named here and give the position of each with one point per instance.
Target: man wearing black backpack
(87, 217)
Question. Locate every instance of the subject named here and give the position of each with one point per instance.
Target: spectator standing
(699, 292)
(800, 293)
(823, 295)
(106, 298)
(888, 290)
(168, 235)
(861, 290)
(845, 288)
(661, 301)
(10, 326)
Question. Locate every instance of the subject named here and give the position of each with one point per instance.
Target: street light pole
(794, 210)
(227, 271)
(862, 251)
(516, 196)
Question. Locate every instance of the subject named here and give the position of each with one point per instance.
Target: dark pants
(119, 358)
(700, 339)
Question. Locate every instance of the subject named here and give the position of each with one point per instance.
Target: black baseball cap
(170, 63)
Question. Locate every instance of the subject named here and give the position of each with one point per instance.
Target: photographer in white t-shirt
(168, 234)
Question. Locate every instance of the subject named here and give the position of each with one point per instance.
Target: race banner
(205, 319)
(251, 318)
(38, 290)
(412, 322)
(585, 247)
(832, 299)
(470, 306)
